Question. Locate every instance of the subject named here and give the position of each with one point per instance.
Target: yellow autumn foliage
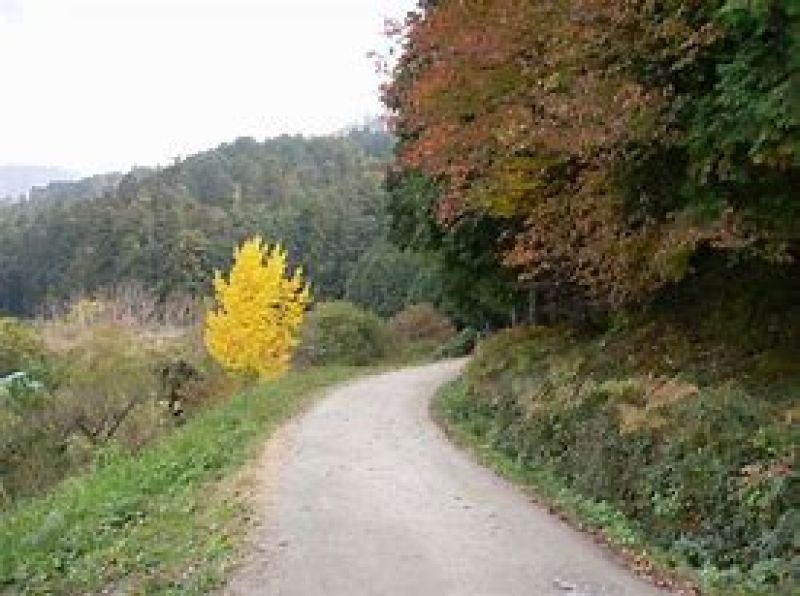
(254, 327)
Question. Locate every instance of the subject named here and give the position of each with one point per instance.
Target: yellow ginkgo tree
(254, 326)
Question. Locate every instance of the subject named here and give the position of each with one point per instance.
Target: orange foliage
(525, 110)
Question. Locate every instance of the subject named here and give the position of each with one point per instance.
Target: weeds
(156, 522)
(700, 473)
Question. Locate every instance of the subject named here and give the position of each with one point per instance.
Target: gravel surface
(364, 496)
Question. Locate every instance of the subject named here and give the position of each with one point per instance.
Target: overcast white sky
(97, 85)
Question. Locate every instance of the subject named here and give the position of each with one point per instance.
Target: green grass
(472, 429)
(159, 522)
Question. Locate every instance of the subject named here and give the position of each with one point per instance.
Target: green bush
(20, 346)
(381, 279)
(100, 387)
(461, 344)
(342, 333)
(706, 471)
(105, 393)
(163, 521)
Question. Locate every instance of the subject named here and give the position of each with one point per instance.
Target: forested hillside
(620, 182)
(167, 229)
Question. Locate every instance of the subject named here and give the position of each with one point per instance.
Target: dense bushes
(94, 387)
(101, 383)
(20, 347)
(385, 278)
(342, 333)
(706, 470)
(163, 521)
(97, 393)
(421, 322)
(461, 344)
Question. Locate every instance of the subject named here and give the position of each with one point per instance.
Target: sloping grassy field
(160, 522)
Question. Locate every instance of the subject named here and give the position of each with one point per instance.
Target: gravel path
(364, 496)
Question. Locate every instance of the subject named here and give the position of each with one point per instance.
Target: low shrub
(105, 391)
(461, 344)
(166, 520)
(421, 323)
(705, 470)
(98, 387)
(21, 347)
(342, 333)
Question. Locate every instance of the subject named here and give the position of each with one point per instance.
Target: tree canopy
(169, 228)
(602, 145)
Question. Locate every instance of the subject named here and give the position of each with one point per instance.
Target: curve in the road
(370, 499)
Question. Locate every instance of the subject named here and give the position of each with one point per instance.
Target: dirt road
(364, 496)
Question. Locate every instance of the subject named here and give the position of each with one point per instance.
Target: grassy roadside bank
(473, 428)
(157, 522)
(607, 525)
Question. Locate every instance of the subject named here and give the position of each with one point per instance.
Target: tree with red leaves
(614, 139)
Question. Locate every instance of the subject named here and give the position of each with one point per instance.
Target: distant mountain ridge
(16, 180)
